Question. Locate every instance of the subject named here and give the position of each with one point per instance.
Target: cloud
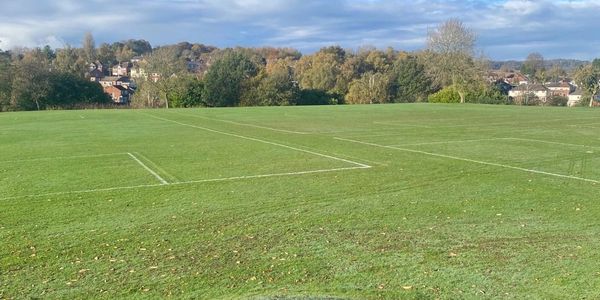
(507, 29)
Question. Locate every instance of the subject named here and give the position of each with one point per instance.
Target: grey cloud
(507, 29)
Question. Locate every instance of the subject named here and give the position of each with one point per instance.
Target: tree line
(448, 70)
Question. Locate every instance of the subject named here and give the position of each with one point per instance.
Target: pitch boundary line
(243, 124)
(185, 182)
(401, 124)
(155, 166)
(449, 142)
(585, 125)
(392, 123)
(364, 166)
(162, 180)
(551, 142)
(498, 139)
(473, 161)
(62, 157)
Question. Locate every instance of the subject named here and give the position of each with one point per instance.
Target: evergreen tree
(226, 77)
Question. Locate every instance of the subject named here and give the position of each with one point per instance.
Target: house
(516, 78)
(97, 65)
(562, 89)
(136, 59)
(511, 77)
(502, 86)
(122, 69)
(138, 73)
(118, 93)
(115, 80)
(522, 91)
(575, 98)
(95, 75)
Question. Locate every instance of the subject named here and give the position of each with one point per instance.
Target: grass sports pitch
(383, 201)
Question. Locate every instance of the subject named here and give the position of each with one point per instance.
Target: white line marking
(184, 183)
(515, 122)
(589, 127)
(243, 124)
(63, 157)
(551, 142)
(585, 125)
(148, 169)
(263, 141)
(401, 124)
(350, 131)
(473, 161)
(268, 175)
(496, 139)
(84, 191)
(157, 167)
(450, 142)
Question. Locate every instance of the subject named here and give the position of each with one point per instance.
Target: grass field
(360, 202)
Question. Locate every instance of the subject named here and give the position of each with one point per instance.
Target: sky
(506, 29)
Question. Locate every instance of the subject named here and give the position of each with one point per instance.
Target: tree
(322, 70)
(165, 62)
(6, 74)
(377, 61)
(68, 61)
(410, 82)
(224, 80)
(534, 68)
(451, 37)
(370, 88)
(186, 91)
(68, 91)
(146, 95)
(139, 47)
(124, 54)
(49, 53)
(596, 63)
(89, 48)
(451, 56)
(588, 78)
(106, 55)
(556, 73)
(30, 85)
(273, 86)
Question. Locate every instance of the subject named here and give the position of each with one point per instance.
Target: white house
(575, 97)
(522, 90)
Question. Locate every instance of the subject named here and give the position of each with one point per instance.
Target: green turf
(461, 201)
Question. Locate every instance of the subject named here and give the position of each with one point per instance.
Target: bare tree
(451, 47)
(452, 37)
(89, 47)
(534, 68)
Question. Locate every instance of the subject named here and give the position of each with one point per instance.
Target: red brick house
(118, 93)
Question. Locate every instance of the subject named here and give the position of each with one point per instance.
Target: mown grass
(414, 226)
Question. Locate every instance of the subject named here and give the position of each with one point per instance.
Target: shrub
(488, 95)
(445, 95)
(530, 100)
(557, 100)
(317, 97)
